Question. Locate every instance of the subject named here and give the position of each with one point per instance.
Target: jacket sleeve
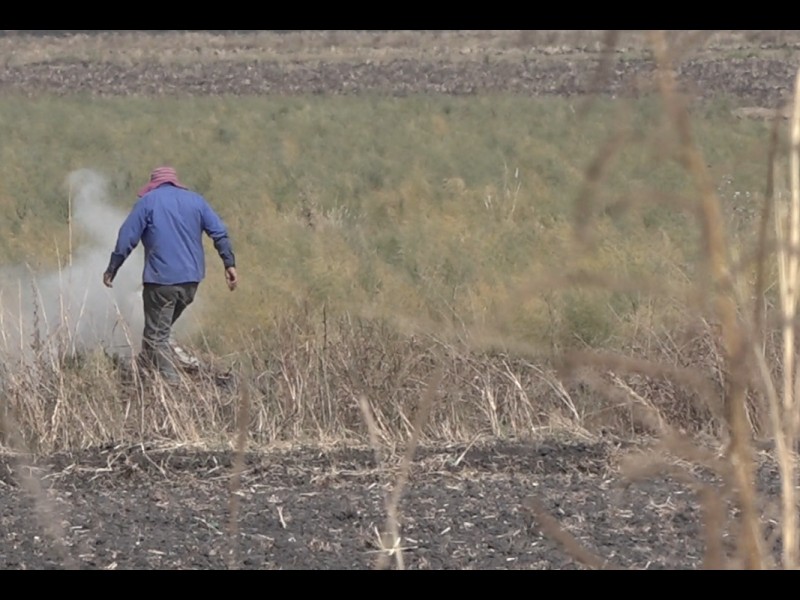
(216, 230)
(129, 236)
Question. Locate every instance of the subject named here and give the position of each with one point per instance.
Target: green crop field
(437, 212)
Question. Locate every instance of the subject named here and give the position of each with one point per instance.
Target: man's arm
(129, 236)
(216, 230)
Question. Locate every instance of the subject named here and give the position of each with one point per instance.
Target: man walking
(169, 220)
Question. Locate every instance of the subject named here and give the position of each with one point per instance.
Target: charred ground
(312, 508)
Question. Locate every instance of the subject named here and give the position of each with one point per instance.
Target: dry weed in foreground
(723, 289)
(785, 416)
(551, 527)
(46, 513)
(391, 544)
(243, 420)
(743, 358)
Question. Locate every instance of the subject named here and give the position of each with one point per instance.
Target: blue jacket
(170, 222)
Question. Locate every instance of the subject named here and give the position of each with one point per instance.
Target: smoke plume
(70, 308)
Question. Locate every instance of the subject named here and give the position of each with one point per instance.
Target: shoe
(186, 360)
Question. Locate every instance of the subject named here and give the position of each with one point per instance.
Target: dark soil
(463, 508)
(750, 75)
(756, 81)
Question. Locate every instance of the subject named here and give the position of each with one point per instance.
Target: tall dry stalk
(723, 290)
(47, 515)
(785, 421)
(243, 420)
(393, 546)
(69, 224)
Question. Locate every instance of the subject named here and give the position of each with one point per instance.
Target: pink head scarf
(160, 176)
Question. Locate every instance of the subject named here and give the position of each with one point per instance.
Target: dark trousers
(163, 304)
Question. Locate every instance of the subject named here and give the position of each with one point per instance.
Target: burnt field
(756, 81)
(545, 504)
(752, 70)
(463, 508)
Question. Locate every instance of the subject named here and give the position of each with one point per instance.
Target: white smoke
(71, 305)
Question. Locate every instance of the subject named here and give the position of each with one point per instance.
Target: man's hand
(231, 278)
(107, 279)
